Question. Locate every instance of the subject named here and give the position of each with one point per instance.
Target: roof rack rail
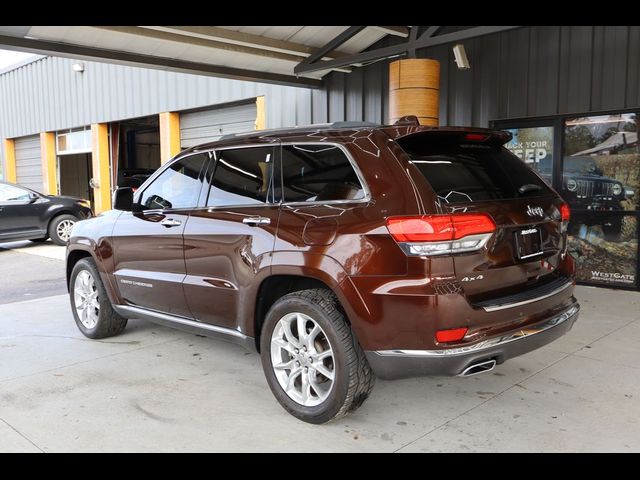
(347, 124)
(353, 124)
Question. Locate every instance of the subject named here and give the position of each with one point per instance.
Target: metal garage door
(28, 163)
(208, 125)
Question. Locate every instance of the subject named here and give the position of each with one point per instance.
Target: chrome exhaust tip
(477, 368)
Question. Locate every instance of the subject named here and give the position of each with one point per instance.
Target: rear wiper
(529, 187)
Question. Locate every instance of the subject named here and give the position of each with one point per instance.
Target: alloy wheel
(302, 359)
(86, 299)
(64, 229)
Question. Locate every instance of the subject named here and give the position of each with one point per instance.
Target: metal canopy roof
(258, 53)
(288, 55)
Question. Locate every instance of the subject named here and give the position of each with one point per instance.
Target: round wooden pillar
(414, 89)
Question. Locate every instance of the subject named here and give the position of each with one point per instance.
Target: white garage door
(203, 126)
(28, 163)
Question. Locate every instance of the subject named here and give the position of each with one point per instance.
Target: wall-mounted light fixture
(78, 67)
(460, 56)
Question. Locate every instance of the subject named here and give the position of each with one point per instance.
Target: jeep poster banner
(601, 179)
(534, 146)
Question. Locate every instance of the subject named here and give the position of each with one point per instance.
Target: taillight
(441, 234)
(452, 335)
(475, 137)
(565, 212)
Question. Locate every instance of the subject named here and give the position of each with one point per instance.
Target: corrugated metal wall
(28, 164)
(531, 71)
(209, 125)
(47, 95)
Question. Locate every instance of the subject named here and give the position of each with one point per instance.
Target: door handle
(170, 222)
(255, 221)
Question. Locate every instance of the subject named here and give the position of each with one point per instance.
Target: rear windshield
(471, 172)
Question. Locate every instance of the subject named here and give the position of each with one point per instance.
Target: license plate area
(528, 242)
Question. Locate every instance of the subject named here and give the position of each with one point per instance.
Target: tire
(353, 378)
(101, 321)
(58, 230)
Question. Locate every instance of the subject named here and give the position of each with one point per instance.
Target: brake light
(434, 228)
(440, 234)
(421, 229)
(452, 335)
(475, 137)
(565, 212)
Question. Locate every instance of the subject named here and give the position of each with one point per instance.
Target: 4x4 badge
(535, 211)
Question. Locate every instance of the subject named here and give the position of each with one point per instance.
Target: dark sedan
(28, 215)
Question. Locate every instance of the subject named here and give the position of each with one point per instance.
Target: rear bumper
(395, 364)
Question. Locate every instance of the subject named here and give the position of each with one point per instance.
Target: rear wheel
(60, 229)
(314, 365)
(91, 307)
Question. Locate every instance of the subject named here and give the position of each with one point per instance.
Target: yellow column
(100, 163)
(169, 135)
(261, 113)
(49, 167)
(10, 160)
(414, 89)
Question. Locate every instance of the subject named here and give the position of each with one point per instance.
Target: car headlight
(572, 185)
(616, 189)
(84, 203)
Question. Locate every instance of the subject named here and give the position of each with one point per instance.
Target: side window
(9, 193)
(177, 187)
(315, 173)
(242, 176)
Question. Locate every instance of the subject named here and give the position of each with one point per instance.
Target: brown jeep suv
(340, 252)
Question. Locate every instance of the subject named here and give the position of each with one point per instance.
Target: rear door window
(318, 173)
(467, 172)
(242, 176)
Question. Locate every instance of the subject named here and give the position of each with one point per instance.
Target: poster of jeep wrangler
(600, 181)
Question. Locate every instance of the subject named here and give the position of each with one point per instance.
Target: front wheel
(314, 365)
(60, 229)
(91, 307)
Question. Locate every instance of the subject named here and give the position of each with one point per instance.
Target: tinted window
(177, 187)
(314, 173)
(9, 193)
(471, 172)
(242, 176)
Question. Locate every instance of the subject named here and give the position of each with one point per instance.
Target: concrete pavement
(156, 389)
(31, 270)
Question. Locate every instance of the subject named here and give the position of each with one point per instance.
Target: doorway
(135, 150)
(74, 174)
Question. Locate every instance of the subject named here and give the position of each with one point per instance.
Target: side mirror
(33, 197)
(123, 199)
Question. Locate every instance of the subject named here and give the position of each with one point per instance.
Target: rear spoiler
(405, 129)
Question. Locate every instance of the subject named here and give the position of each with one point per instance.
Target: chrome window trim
(211, 150)
(486, 344)
(354, 165)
